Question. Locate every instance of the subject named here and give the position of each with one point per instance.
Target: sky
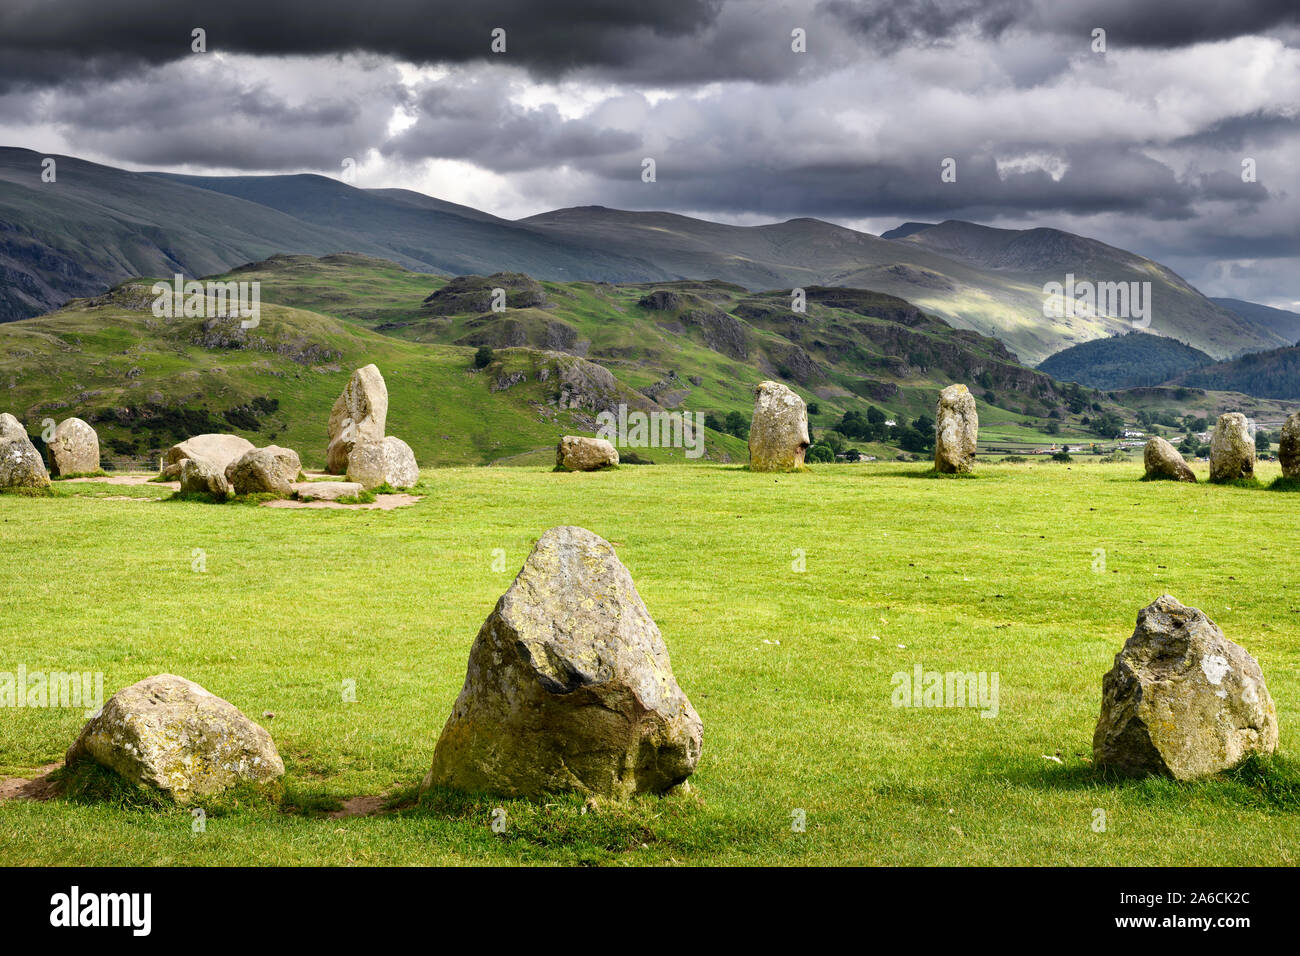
(1143, 136)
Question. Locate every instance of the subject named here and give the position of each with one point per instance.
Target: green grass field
(1035, 572)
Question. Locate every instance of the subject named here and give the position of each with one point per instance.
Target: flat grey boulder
(75, 448)
(569, 686)
(579, 453)
(200, 476)
(1232, 450)
(1182, 700)
(778, 432)
(956, 431)
(169, 733)
(220, 450)
(21, 465)
(327, 490)
(360, 414)
(1162, 461)
(270, 470)
(1288, 446)
(387, 462)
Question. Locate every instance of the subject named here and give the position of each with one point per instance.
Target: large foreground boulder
(200, 476)
(778, 434)
(75, 448)
(360, 414)
(270, 470)
(169, 733)
(1232, 450)
(219, 450)
(1182, 700)
(956, 431)
(20, 463)
(1288, 446)
(569, 686)
(386, 462)
(579, 453)
(1162, 461)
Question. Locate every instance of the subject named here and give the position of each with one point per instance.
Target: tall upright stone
(1288, 446)
(75, 448)
(569, 686)
(956, 431)
(1232, 450)
(359, 415)
(778, 434)
(1182, 700)
(20, 463)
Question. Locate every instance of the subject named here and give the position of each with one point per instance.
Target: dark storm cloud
(57, 40)
(1162, 24)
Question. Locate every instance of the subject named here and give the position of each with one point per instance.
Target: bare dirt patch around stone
(39, 788)
(381, 502)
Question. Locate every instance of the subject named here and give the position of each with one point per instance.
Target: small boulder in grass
(1182, 700)
(170, 734)
(389, 461)
(579, 453)
(75, 448)
(1162, 461)
(21, 465)
(200, 476)
(270, 470)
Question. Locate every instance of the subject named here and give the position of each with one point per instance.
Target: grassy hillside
(1273, 374)
(1032, 572)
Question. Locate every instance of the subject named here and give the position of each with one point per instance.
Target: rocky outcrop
(778, 434)
(21, 466)
(218, 450)
(1182, 700)
(569, 686)
(386, 462)
(170, 734)
(270, 470)
(956, 431)
(75, 448)
(1162, 461)
(360, 414)
(474, 294)
(578, 453)
(1232, 450)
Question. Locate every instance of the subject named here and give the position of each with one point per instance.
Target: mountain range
(96, 225)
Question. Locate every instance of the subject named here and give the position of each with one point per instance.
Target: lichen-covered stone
(169, 733)
(1182, 700)
(1232, 450)
(778, 433)
(270, 470)
(20, 463)
(386, 462)
(569, 686)
(360, 414)
(219, 450)
(1162, 461)
(579, 453)
(957, 428)
(327, 490)
(1288, 446)
(199, 476)
(75, 448)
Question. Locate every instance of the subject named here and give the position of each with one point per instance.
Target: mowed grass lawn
(790, 670)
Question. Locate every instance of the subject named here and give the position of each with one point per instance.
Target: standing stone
(75, 449)
(21, 465)
(200, 476)
(569, 686)
(220, 450)
(169, 733)
(269, 470)
(386, 462)
(1182, 700)
(1162, 460)
(957, 428)
(1232, 450)
(778, 434)
(579, 453)
(360, 414)
(1288, 446)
